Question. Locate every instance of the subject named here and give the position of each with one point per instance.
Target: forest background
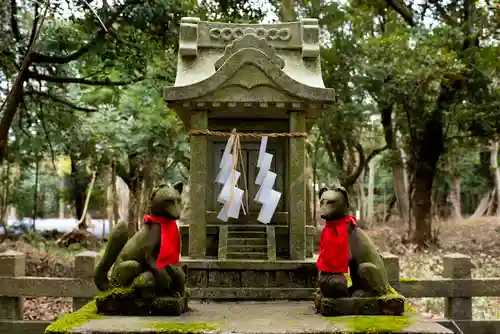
(413, 136)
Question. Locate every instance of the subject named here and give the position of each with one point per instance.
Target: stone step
(247, 255)
(247, 241)
(244, 228)
(252, 293)
(247, 248)
(247, 234)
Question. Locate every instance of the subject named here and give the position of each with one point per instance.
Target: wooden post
(391, 263)
(457, 266)
(297, 185)
(85, 264)
(12, 264)
(198, 186)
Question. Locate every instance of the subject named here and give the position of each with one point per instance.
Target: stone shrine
(253, 78)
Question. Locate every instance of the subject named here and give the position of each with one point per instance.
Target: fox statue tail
(117, 240)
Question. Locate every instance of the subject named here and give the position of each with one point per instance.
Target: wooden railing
(456, 286)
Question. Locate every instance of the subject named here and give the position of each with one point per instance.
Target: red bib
(170, 246)
(334, 246)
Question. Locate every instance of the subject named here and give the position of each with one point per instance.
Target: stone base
(359, 306)
(243, 318)
(232, 280)
(126, 302)
(390, 304)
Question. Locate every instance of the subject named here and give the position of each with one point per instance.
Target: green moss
(180, 327)
(66, 323)
(391, 293)
(408, 280)
(373, 324)
(116, 292)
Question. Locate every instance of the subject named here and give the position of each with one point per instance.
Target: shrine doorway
(247, 166)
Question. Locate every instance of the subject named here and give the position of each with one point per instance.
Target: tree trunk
(61, 197)
(362, 197)
(370, 201)
(426, 159)
(455, 197)
(114, 195)
(496, 175)
(422, 206)
(134, 194)
(488, 179)
(12, 103)
(398, 171)
(401, 191)
(35, 193)
(5, 191)
(78, 185)
(146, 189)
(405, 174)
(83, 222)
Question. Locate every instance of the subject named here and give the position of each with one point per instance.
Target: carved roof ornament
(272, 34)
(250, 41)
(270, 68)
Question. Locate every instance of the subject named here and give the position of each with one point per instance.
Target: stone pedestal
(359, 306)
(245, 317)
(131, 305)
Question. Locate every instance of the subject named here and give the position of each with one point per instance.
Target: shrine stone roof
(272, 67)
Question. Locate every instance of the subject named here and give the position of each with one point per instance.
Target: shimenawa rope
(246, 134)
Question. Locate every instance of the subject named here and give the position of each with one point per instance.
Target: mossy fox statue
(149, 260)
(344, 247)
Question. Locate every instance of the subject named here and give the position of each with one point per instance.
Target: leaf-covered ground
(477, 238)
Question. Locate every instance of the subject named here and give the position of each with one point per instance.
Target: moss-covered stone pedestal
(393, 304)
(130, 302)
(242, 317)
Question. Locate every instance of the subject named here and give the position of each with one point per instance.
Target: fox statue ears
(179, 186)
(335, 188)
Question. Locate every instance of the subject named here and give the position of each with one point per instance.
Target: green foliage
(23, 194)
(378, 61)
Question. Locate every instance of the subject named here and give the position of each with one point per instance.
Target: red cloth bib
(334, 246)
(170, 247)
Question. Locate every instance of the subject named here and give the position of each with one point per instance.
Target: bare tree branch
(61, 101)
(405, 12)
(363, 161)
(47, 137)
(34, 29)
(442, 12)
(52, 59)
(16, 93)
(13, 20)
(56, 79)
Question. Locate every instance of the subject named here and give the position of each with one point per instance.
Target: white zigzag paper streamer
(228, 177)
(266, 196)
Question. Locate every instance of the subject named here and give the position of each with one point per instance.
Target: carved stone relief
(272, 34)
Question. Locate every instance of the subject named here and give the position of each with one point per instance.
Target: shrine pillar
(297, 185)
(198, 185)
